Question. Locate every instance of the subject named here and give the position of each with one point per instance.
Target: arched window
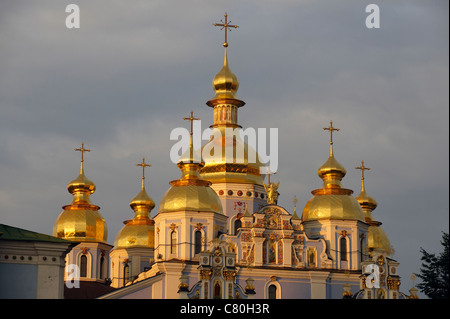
(102, 265)
(311, 258)
(83, 266)
(272, 292)
(217, 291)
(343, 248)
(197, 241)
(173, 242)
(126, 273)
(237, 225)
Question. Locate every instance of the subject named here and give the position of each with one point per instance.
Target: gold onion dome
(190, 192)
(225, 83)
(332, 201)
(236, 166)
(376, 238)
(139, 231)
(81, 220)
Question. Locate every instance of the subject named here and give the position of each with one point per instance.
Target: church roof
(14, 233)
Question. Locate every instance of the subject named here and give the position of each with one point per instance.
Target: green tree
(435, 272)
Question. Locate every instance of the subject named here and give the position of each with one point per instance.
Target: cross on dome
(225, 26)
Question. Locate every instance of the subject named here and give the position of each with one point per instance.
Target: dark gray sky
(134, 69)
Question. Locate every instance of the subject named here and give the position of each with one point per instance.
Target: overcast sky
(134, 69)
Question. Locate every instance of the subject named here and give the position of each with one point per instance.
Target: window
(217, 291)
(361, 249)
(272, 292)
(173, 242)
(343, 248)
(126, 273)
(237, 225)
(83, 266)
(197, 241)
(102, 265)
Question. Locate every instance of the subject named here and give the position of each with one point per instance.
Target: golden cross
(362, 168)
(269, 172)
(143, 165)
(82, 150)
(331, 129)
(225, 25)
(191, 119)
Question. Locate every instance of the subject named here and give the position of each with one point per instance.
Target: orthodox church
(219, 232)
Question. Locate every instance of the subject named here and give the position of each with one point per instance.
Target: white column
(318, 284)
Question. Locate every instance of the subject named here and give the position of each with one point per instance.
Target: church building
(219, 232)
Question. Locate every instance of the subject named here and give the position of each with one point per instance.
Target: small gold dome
(225, 83)
(139, 231)
(81, 220)
(332, 201)
(332, 206)
(190, 192)
(377, 238)
(231, 167)
(366, 201)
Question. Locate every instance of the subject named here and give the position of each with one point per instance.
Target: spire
(142, 204)
(368, 204)
(225, 83)
(295, 201)
(81, 187)
(331, 172)
(190, 162)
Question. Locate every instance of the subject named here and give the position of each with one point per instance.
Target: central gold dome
(231, 167)
(242, 165)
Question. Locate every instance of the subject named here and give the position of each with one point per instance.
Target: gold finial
(295, 201)
(331, 129)
(143, 165)
(225, 25)
(362, 168)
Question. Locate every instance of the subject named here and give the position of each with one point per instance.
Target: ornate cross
(225, 25)
(191, 119)
(331, 129)
(82, 150)
(143, 165)
(362, 168)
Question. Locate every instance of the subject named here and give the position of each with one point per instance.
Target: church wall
(21, 281)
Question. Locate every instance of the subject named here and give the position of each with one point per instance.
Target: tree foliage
(435, 272)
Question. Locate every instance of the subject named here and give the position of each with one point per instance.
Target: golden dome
(238, 166)
(190, 192)
(376, 238)
(81, 220)
(232, 167)
(332, 201)
(225, 83)
(139, 231)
